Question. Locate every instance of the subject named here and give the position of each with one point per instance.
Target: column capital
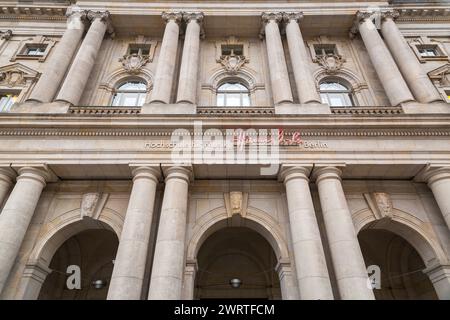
(40, 172)
(177, 17)
(178, 172)
(292, 16)
(198, 17)
(6, 35)
(103, 16)
(389, 14)
(327, 172)
(295, 171)
(267, 17)
(7, 174)
(362, 16)
(145, 171)
(434, 173)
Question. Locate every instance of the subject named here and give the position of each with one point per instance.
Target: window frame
(5, 93)
(244, 94)
(347, 93)
(120, 94)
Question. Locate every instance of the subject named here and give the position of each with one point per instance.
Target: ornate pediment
(441, 75)
(17, 75)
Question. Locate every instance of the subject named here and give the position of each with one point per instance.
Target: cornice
(57, 13)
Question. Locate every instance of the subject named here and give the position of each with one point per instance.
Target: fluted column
(48, 84)
(279, 77)
(439, 183)
(310, 263)
(131, 258)
(7, 176)
(304, 81)
(17, 214)
(416, 77)
(390, 77)
(81, 68)
(168, 261)
(348, 261)
(162, 87)
(187, 84)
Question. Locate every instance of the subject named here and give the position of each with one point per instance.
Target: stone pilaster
(165, 70)
(304, 81)
(189, 280)
(17, 214)
(348, 261)
(390, 77)
(84, 61)
(187, 84)
(279, 77)
(129, 266)
(416, 77)
(289, 290)
(310, 263)
(168, 262)
(439, 276)
(48, 84)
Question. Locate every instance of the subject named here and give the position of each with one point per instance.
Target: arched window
(336, 94)
(130, 94)
(233, 94)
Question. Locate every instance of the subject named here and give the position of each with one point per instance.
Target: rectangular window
(34, 50)
(7, 100)
(429, 51)
(325, 49)
(232, 49)
(139, 49)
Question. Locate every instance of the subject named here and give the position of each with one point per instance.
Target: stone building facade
(224, 149)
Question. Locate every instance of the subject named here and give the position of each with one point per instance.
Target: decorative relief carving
(441, 75)
(6, 35)
(197, 17)
(92, 204)
(17, 75)
(233, 63)
(133, 63)
(380, 203)
(103, 16)
(175, 16)
(296, 16)
(332, 63)
(236, 203)
(390, 14)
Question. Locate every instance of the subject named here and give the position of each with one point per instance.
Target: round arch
(409, 228)
(254, 219)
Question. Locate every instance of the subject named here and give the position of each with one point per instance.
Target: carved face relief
(12, 78)
(236, 202)
(89, 203)
(332, 63)
(233, 63)
(384, 203)
(133, 63)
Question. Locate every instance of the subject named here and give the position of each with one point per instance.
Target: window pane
(6, 102)
(324, 98)
(130, 99)
(332, 86)
(133, 85)
(141, 99)
(336, 99)
(220, 100)
(233, 99)
(245, 100)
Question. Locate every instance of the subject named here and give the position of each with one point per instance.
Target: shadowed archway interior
(237, 253)
(400, 264)
(93, 251)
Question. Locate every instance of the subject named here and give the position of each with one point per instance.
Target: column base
(425, 108)
(40, 107)
(296, 109)
(174, 108)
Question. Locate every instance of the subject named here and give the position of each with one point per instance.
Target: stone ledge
(105, 110)
(366, 110)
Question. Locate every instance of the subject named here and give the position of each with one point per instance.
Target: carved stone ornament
(332, 63)
(133, 63)
(92, 204)
(441, 75)
(6, 35)
(380, 203)
(233, 63)
(175, 16)
(236, 202)
(17, 75)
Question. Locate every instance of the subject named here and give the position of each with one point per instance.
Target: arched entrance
(93, 250)
(237, 253)
(400, 264)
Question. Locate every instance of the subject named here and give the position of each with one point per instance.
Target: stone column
(81, 68)
(168, 261)
(289, 290)
(310, 263)
(162, 87)
(16, 215)
(48, 84)
(440, 278)
(416, 77)
(439, 183)
(304, 81)
(390, 77)
(348, 262)
(279, 77)
(187, 83)
(7, 176)
(131, 258)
